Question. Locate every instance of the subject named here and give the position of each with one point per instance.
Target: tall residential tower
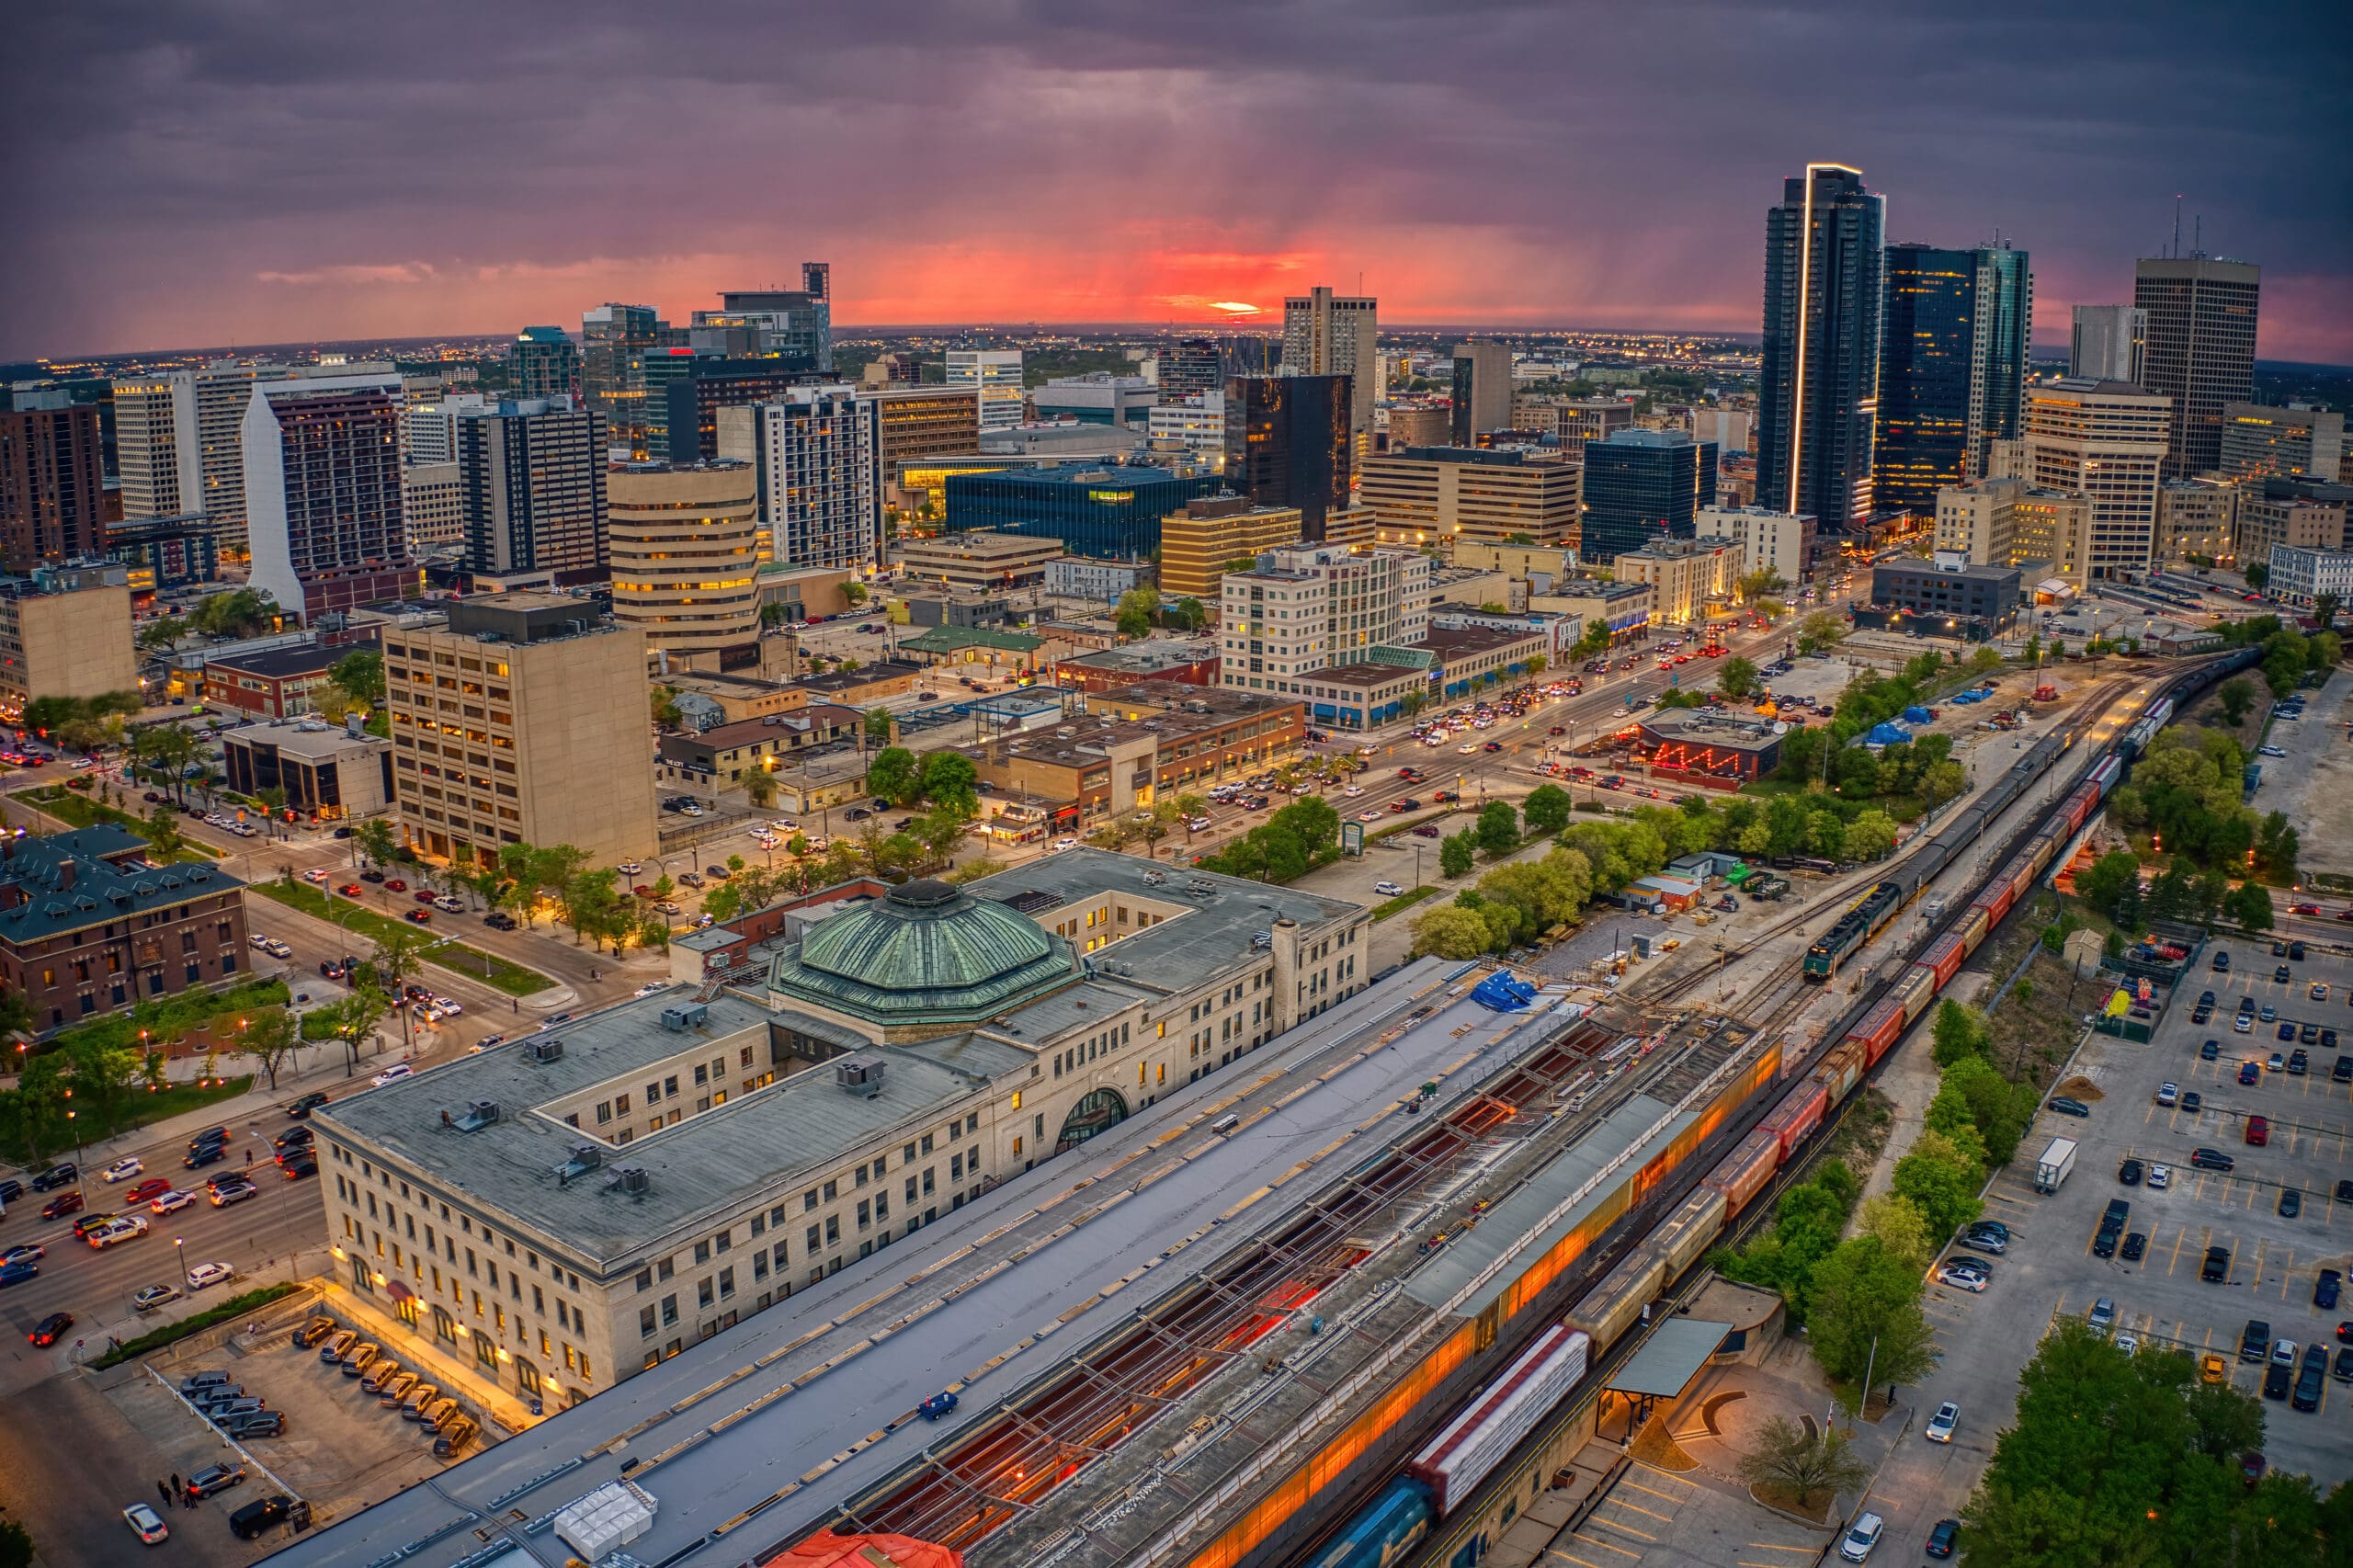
(1326, 334)
(1819, 392)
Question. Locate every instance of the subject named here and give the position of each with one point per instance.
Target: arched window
(1097, 1112)
(526, 1377)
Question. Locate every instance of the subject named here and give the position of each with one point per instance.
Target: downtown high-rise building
(1643, 486)
(2106, 442)
(53, 481)
(996, 375)
(1288, 444)
(613, 341)
(1481, 391)
(1952, 368)
(544, 363)
(2202, 311)
(817, 451)
(1190, 368)
(325, 511)
(1328, 335)
(2106, 343)
(794, 324)
(1818, 397)
(156, 446)
(533, 476)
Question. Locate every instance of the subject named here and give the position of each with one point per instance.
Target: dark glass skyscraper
(1998, 361)
(1930, 328)
(1288, 444)
(1641, 487)
(1819, 392)
(2201, 347)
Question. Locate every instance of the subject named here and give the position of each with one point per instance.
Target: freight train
(1405, 1511)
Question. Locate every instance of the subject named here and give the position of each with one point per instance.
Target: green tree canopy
(895, 776)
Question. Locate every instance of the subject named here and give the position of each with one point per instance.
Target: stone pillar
(1287, 977)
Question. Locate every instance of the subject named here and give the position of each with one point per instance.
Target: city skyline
(1171, 167)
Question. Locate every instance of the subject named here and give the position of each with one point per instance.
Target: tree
(359, 675)
(161, 633)
(1870, 835)
(1450, 931)
(1942, 1175)
(1188, 613)
(15, 1545)
(1457, 853)
(1761, 584)
(1812, 1470)
(161, 829)
(2127, 910)
(239, 612)
(373, 838)
(878, 726)
(270, 1036)
(2250, 905)
(398, 956)
(1133, 615)
(1959, 1033)
(2104, 884)
(948, 779)
(1819, 630)
(895, 777)
(1737, 677)
(664, 708)
(2226, 1422)
(355, 1016)
(1890, 1220)
(1863, 1315)
(759, 787)
(1498, 829)
(854, 594)
(1547, 808)
(1310, 819)
(2257, 574)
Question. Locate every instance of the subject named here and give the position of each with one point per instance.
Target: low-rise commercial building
(1687, 576)
(2302, 514)
(276, 682)
(330, 772)
(720, 757)
(90, 926)
(1424, 496)
(1708, 746)
(1113, 669)
(1133, 745)
(1624, 607)
(1945, 597)
(1199, 539)
(65, 631)
(2300, 574)
(1085, 577)
(1467, 660)
(1560, 631)
(983, 561)
(978, 651)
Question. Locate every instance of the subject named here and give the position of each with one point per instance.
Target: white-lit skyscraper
(997, 373)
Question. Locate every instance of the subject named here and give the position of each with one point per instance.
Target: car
(1973, 1280)
(215, 1478)
(438, 1414)
(2210, 1050)
(1429, 830)
(2276, 1380)
(248, 1522)
(2254, 1340)
(2283, 1352)
(2281, 975)
(1943, 1538)
(393, 1075)
(2103, 1315)
(2221, 964)
(170, 1202)
(2168, 1094)
(2326, 1289)
(64, 1174)
(95, 1220)
(50, 1329)
(937, 1405)
(499, 920)
(2309, 1374)
(147, 1298)
(2160, 1177)
(25, 1252)
(382, 1370)
(2130, 1173)
(2250, 1073)
(118, 1230)
(1941, 1425)
(2266, 1013)
(2243, 1024)
(2134, 1245)
(419, 917)
(419, 1400)
(2258, 1130)
(1988, 1235)
(2104, 1244)
(394, 1389)
(18, 1273)
(2295, 952)
(2299, 1062)
(146, 1524)
(1856, 1545)
(208, 1274)
(295, 1166)
(1388, 890)
(64, 1203)
(2210, 1160)
(122, 1169)
(350, 890)
(395, 886)
(11, 1191)
(2067, 1106)
(355, 1361)
(230, 1192)
(254, 1424)
(2291, 1203)
(553, 1019)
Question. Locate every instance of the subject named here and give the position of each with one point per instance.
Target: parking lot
(2271, 1260)
(2313, 780)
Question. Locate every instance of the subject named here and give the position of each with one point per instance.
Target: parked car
(146, 1524)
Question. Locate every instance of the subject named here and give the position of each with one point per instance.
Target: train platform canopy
(1670, 1359)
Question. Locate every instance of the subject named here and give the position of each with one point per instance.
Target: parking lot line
(1606, 1546)
(2180, 1236)
(1570, 1557)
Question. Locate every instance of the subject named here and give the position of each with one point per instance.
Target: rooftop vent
(479, 1115)
(678, 1021)
(543, 1051)
(585, 1158)
(630, 1179)
(860, 1075)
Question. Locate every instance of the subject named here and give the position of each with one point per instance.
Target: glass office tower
(1818, 398)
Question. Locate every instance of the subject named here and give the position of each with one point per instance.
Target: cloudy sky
(241, 171)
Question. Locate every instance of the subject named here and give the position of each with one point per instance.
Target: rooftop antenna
(2176, 225)
(2198, 235)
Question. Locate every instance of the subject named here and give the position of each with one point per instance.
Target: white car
(2127, 1342)
(122, 1169)
(2160, 1177)
(652, 987)
(1941, 1423)
(1858, 1542)
(450, 1006)
(1466, 748)
(394, 1074)
(171, 1202)
(146, 1524)
(2269, 751)
(1961, 1279)
(314, 876)
(258, 941)
(1065, 844)
(449, 906)
(1367, 816)
(1198, 824)
(205, 1274)
(629, 868)
(118, 1230)
(784, 825)
(1353, 789)
(1388, 890)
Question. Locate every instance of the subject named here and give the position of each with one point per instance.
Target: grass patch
(170, 1018)
(235, 1306)
(77, 811)
(453, 956)
(1402, 903)
(148, 1109)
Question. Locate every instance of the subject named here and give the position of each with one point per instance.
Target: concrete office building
(2198, 518)
(1418, 426)
(994, 375)
(819, 453)
(1287, 443)
(2200, 353)
(1098, 398)
(1727, 427)
(1483, 385)
(795, 326)
(916, 424)
(90, 926)
(1193, 367)
(1779, 543)
(2301, 514)
(1946, 597)
(685, 548)
(1643, 485)
(2301, 574)
(1328, 335)
(2108, 343)
(1686, 576)
(65, 631)
(322, 492)
(2286, 442)
(1085, 577)
(1978, 520)
(2008, 522)
(521, 718)
(2105, 441)
(157, 453)
(997, 563)
(1440, 495)
(1301, 609)
(330, 772)
(1200, 538)
(544, 363)
(1192, 428)
(221, 395)
(53, 481)
(534, 474)
(433, 505)
(1818, 397)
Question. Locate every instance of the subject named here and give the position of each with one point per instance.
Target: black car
(2217, 1267)
(2280, 974)
(2206, 999)
(2129, 1172)
(2309, 1376)
(302, 1107)
(2291, 1203)
(11, 1191)
(2343, 1072)
(2295, 952)
(64, 1174)
(2066, 1106)
(209, 1154)
(2343, 1370)
(373, 875)
(292, 1138)
(2134, 1245)
(2209, 1051)
(249, 1521)
(210, 1135)
(50, 1329)
(2277, 1379)
(2104, 1244)
(1942, 1540)
(2254, 1340)
(2210, 1160)
(499, 920)
(2327, 1288)
(294, 1167)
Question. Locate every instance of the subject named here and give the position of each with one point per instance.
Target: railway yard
(1217, 1333)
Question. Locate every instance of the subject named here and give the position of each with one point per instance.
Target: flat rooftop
(310, 738)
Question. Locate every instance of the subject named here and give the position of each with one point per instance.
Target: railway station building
(538, 1222)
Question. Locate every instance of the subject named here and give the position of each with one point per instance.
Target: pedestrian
(167, 1492)
(176, 1485)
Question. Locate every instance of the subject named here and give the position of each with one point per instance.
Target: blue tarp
(1918, 716)
(1503, 992)
(1887, 736)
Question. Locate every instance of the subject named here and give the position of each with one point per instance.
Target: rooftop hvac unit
(614, 1515)
(478, 1114)
(632, 1180)
(861, 1075)
(585, 1158)
(692, 1015)
(543, 1051)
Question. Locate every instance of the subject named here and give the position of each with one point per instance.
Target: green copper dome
(924, 953)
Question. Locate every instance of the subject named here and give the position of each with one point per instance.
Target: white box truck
(2056, 1162)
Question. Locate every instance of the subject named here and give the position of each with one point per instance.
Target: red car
(395, 886)
(426, 895)
(351, 889)
(155, 1187)
(421, 916)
